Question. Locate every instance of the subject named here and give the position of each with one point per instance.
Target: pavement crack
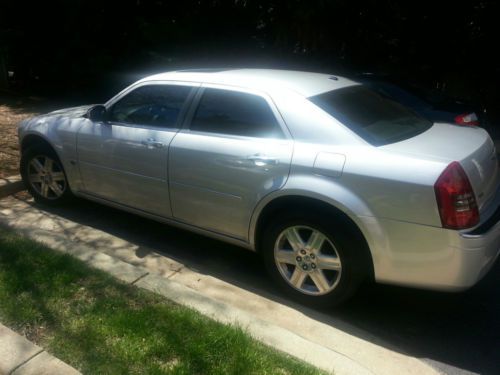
(140, 277)
(175, 272)
(25, 361)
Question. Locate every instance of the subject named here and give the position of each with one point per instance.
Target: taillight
(467, 119)
(455, 198)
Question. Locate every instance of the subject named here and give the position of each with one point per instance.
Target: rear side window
(235, 113)
(376, 118)
(154, 105)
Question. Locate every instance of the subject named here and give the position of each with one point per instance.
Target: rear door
(234, 151)
(125, 159)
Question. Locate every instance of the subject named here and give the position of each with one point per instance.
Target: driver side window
(153, 105)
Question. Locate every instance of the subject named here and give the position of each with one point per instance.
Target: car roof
(268, 80)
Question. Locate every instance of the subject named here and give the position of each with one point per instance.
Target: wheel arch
(32, 139)
(296, 201)
(35, 138)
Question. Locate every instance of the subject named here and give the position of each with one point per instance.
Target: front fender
(60, 132)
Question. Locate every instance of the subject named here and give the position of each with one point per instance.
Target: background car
(433, 105)
(332, 182)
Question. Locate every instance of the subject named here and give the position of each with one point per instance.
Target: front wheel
(318, 262)
(44, 176)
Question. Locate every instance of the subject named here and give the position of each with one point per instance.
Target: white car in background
(331, 182)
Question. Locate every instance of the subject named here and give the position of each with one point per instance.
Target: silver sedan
(331, 182)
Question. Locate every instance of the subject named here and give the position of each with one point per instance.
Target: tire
(44, 176)
(301, 270)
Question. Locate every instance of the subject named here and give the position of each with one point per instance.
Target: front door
(125, 159)
(233, 153)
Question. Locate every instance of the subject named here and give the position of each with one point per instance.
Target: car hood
(72, 112)
(472, 147)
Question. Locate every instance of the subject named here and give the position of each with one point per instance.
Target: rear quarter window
(376, 118)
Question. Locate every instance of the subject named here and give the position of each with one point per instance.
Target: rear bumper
(433, 258)
(481, 247)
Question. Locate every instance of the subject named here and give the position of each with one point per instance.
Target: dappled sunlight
(100, 325)
(171, 255)
(400, 320)
(55, 230)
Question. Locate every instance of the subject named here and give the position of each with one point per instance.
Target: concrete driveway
(455, 333)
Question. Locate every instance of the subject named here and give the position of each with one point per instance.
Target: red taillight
(455, 198)
(467, 119)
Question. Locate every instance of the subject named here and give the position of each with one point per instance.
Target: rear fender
(331, 193)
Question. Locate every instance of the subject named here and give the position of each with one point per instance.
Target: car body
(293, 157)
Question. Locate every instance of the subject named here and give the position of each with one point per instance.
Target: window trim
(186, 126)
(182, 113)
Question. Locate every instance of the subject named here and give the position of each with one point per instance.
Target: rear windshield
(374, 117)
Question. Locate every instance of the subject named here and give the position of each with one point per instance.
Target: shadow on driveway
(452, 331)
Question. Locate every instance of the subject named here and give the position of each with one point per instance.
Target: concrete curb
(10, 185)
(18, 356)
(329, 349)
(274, 336)
(270, 334)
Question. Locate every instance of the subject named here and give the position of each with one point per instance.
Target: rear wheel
(44, 176)
(317, 261)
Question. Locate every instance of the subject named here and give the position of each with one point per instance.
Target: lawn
(101, 326)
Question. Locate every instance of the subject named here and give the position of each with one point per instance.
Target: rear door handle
(261, 160)
(152, 143)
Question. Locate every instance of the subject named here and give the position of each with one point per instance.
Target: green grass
(101, 326)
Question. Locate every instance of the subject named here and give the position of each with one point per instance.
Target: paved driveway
(457, 333)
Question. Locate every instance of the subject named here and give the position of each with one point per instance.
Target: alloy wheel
(46, 177)
(307, 260)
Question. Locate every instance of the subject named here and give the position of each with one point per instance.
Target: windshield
(374, 117)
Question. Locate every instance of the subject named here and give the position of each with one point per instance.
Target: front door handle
(261, 160)
(152, 143)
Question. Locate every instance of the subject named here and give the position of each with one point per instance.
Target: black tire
(39, 152)
(350, 248)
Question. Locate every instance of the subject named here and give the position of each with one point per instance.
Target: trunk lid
(472, 147)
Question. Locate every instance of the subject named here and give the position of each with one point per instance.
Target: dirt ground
(13, 109)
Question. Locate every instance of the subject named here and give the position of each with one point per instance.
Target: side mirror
(97, 113)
